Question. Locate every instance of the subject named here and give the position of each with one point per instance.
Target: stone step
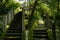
(40, 34)
(12, 38)
(40, 31)
(13, 34)
(14, 31)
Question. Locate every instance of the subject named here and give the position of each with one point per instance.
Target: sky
(21, 1)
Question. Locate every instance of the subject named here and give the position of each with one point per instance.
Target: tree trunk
(28, 26)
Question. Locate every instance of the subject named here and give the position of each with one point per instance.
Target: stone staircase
(14, 33)
(40, 35)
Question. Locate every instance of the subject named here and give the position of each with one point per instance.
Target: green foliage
(7, 5)
(50, 34)
(48, 7)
